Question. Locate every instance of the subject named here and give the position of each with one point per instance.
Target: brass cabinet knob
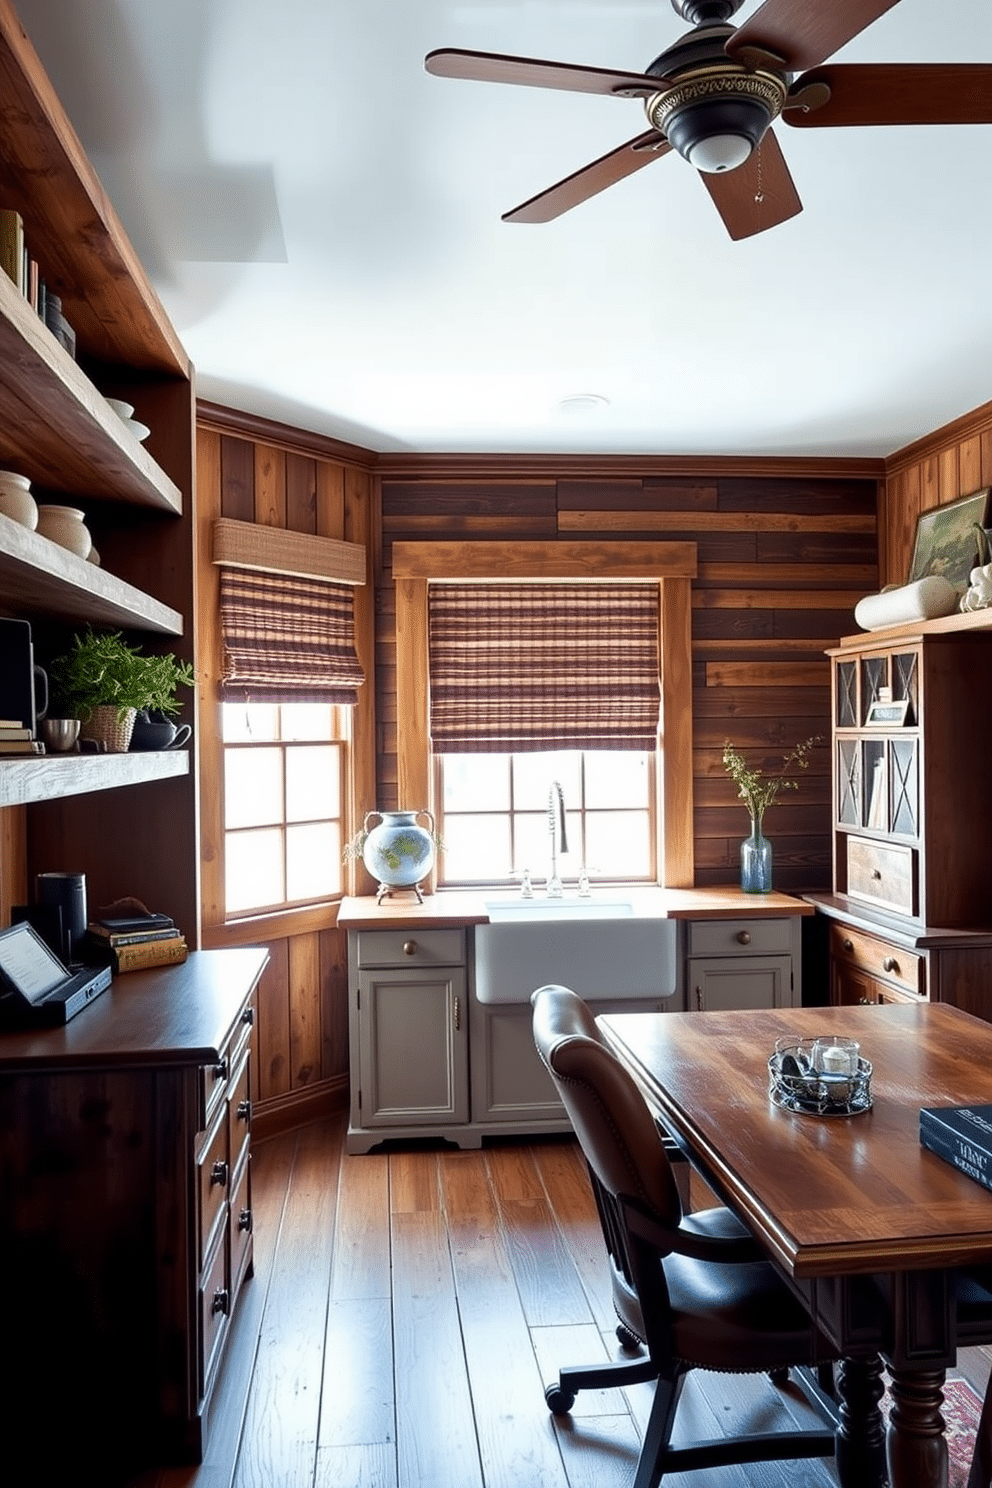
(890, 964)
(848, 946)
(409, 948)
(744, 937)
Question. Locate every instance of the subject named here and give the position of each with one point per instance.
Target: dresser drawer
(744, 937)
(213, 1172)
(427, 947)
(215, 1308)
(883, 872)
(239, 1113)
(877, 958)
(241, 1227)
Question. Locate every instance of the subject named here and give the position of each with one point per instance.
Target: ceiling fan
(713, 94)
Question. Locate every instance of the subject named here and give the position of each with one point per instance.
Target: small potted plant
(104, 682)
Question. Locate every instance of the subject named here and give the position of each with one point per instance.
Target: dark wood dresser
(125, 1214)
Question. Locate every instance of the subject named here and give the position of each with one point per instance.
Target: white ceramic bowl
(122, 410)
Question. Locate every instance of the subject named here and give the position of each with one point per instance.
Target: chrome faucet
(559, 841)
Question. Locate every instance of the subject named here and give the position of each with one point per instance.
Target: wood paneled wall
(951, 462)
(785, 551)
(256, 471)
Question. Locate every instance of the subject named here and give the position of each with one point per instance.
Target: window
(502, 801)
(670, 565)
(283, 830)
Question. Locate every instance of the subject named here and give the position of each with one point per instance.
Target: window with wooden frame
(290, 679)
(670, 566)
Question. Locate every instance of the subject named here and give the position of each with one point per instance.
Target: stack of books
(962, 1136)
(133, 942)
(15, 738)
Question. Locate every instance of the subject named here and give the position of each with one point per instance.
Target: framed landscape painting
(946, 543)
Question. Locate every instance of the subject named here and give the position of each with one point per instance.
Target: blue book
(961, 1136)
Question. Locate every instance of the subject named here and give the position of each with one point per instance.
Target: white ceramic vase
(64, 525)
(16, 501)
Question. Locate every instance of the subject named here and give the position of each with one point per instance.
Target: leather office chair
(693, 1288)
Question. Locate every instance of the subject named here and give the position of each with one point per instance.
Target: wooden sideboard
(125, 1215)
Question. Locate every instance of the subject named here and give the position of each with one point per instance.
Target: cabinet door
(509, 1082)
(730, 982)
(413, 1048)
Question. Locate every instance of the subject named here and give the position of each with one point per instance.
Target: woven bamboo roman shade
(287, 639)
(518, 667)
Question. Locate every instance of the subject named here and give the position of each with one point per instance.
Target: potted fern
(104, 682)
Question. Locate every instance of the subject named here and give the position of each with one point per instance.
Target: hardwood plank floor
(406, 1311)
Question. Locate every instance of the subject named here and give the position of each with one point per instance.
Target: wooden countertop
(165, 1015)
(457, 907)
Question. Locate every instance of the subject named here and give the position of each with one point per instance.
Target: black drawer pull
(243, 1110)
(849, 946)
(244, 1221)
(744, 937)
(248, 1016)
(221, 1302)
(410, 948)
(218, 1174)
(220, 1070)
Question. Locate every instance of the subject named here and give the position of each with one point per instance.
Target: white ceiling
(322, 221)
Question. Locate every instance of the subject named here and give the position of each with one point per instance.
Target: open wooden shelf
(56, 427)
(69, 222)
(38, 576)
(51, 776)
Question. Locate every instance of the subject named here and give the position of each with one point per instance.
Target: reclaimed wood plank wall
(254, 471)
(953, 461)
(783, 560)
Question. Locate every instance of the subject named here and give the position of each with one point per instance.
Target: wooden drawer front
(213, 1079)
(241, 1227)
(213, 1177)
(411, 947)
(882, 872)
(739, 937)
(877, 958)
(215, 1308)
(239, 1114)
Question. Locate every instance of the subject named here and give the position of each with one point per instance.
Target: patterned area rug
(962, 1410)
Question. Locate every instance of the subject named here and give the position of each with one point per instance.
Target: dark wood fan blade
(591, 179)
(757, 195)
(491, 67)
(805, 32)
(909, 93)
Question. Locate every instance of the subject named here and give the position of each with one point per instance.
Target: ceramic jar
(64, 525)
(399, 852)
(16, 501)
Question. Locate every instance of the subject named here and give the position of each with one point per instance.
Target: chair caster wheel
(559, 1401)
(628, 1340)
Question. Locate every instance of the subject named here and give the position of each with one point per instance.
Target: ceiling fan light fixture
(719, 152)
(716, 118)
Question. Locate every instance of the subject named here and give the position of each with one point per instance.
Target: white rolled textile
(925, 600)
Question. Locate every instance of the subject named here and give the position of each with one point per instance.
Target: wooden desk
(865, 1223)
(125, 1217)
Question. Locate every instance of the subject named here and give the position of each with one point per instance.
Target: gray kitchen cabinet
(746, 963)
(408, 1034)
